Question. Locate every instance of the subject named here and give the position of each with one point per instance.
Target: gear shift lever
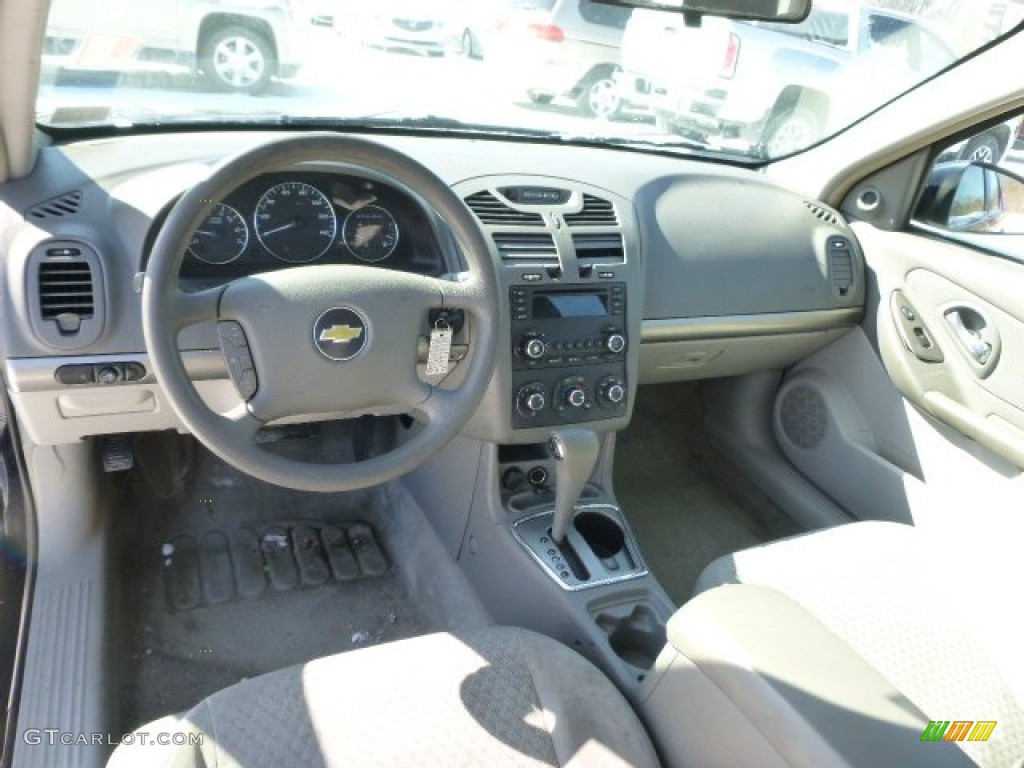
(575, 451)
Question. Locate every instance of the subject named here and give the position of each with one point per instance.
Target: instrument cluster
(286, 219)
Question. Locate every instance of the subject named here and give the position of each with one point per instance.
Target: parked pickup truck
(237, 45)
(770, 86)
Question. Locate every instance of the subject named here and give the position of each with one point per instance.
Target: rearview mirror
(786, 11)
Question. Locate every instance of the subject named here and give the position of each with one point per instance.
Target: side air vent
(65, 294)
(490, 210)
(840, 266)
(594, 211)
(58, 207)
(599, 248)
(526, 247)
(824, 213)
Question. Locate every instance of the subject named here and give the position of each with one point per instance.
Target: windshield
(568, 69)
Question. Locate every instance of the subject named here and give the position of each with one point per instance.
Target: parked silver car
(236, 45)
(556, 49)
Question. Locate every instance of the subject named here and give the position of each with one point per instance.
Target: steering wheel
(323, 339)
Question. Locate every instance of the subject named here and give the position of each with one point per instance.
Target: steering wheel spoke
(192, 308)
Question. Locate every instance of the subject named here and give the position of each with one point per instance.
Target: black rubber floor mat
(215, 567)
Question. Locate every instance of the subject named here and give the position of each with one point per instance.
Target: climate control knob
(615, 393)
(611, 392)
(615, 343)
(574, 396)
(533, 348)
(531, 400)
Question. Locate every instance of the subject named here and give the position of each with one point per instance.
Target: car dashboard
(616, 268)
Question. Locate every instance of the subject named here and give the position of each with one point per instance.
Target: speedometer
(295, 222)
(221, 237)
(370, 233)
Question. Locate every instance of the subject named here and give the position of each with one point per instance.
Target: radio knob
(615, 343)
(534, 348)
(575, 396)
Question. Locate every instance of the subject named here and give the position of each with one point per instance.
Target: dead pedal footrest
(215, 567)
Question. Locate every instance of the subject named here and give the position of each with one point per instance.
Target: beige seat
(502, 697)
(839, 647)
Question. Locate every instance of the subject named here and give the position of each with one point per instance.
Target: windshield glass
(571, 69)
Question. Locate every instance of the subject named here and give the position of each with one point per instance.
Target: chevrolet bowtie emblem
(340, 334)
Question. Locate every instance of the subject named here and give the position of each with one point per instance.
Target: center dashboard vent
(490, 210)
(526, 247)
(599, 248)
(65, 294)
(595, 211)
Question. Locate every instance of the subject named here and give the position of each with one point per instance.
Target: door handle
(976, 347)
(977, 337)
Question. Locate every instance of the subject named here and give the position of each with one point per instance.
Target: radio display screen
(547, 306)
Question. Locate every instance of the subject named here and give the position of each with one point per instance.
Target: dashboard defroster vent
(490, 210)
(526, 247)
(824, 213)
(595, 211)
(58, 207)
(599, 248)
(66, 294)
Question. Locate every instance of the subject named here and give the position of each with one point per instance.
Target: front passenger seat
(501, 697)
(841, 647)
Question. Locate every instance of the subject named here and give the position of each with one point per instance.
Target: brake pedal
(118, 454)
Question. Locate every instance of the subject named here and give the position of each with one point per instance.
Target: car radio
(568, 353)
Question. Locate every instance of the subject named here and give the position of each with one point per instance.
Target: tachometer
(370, 233)
(221, 238)
(295, 222)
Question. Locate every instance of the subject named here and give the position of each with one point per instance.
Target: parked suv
(554, 49)
(772, 85)
(236, 45)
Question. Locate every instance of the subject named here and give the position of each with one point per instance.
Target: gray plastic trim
(692, 328)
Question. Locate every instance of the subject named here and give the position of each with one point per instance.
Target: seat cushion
(935, 612)
(500, 697)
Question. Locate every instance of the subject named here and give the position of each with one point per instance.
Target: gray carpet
(187, 632)
(684, 508)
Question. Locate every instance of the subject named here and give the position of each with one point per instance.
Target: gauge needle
(290, 225)
(204, 233)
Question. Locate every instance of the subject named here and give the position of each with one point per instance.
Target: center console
(569, 346)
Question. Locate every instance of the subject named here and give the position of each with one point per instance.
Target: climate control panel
(569, 347)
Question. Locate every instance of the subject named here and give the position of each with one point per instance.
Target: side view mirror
(972, 197)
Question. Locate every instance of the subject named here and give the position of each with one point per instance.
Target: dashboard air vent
(824, 213)
(490, 210)
(840, 266)
(526, 247)
(65, 294)
(594, 211)
(58, 207)
(599, 248)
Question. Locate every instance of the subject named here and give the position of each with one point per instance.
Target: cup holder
(603, 534)
(636, 636)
